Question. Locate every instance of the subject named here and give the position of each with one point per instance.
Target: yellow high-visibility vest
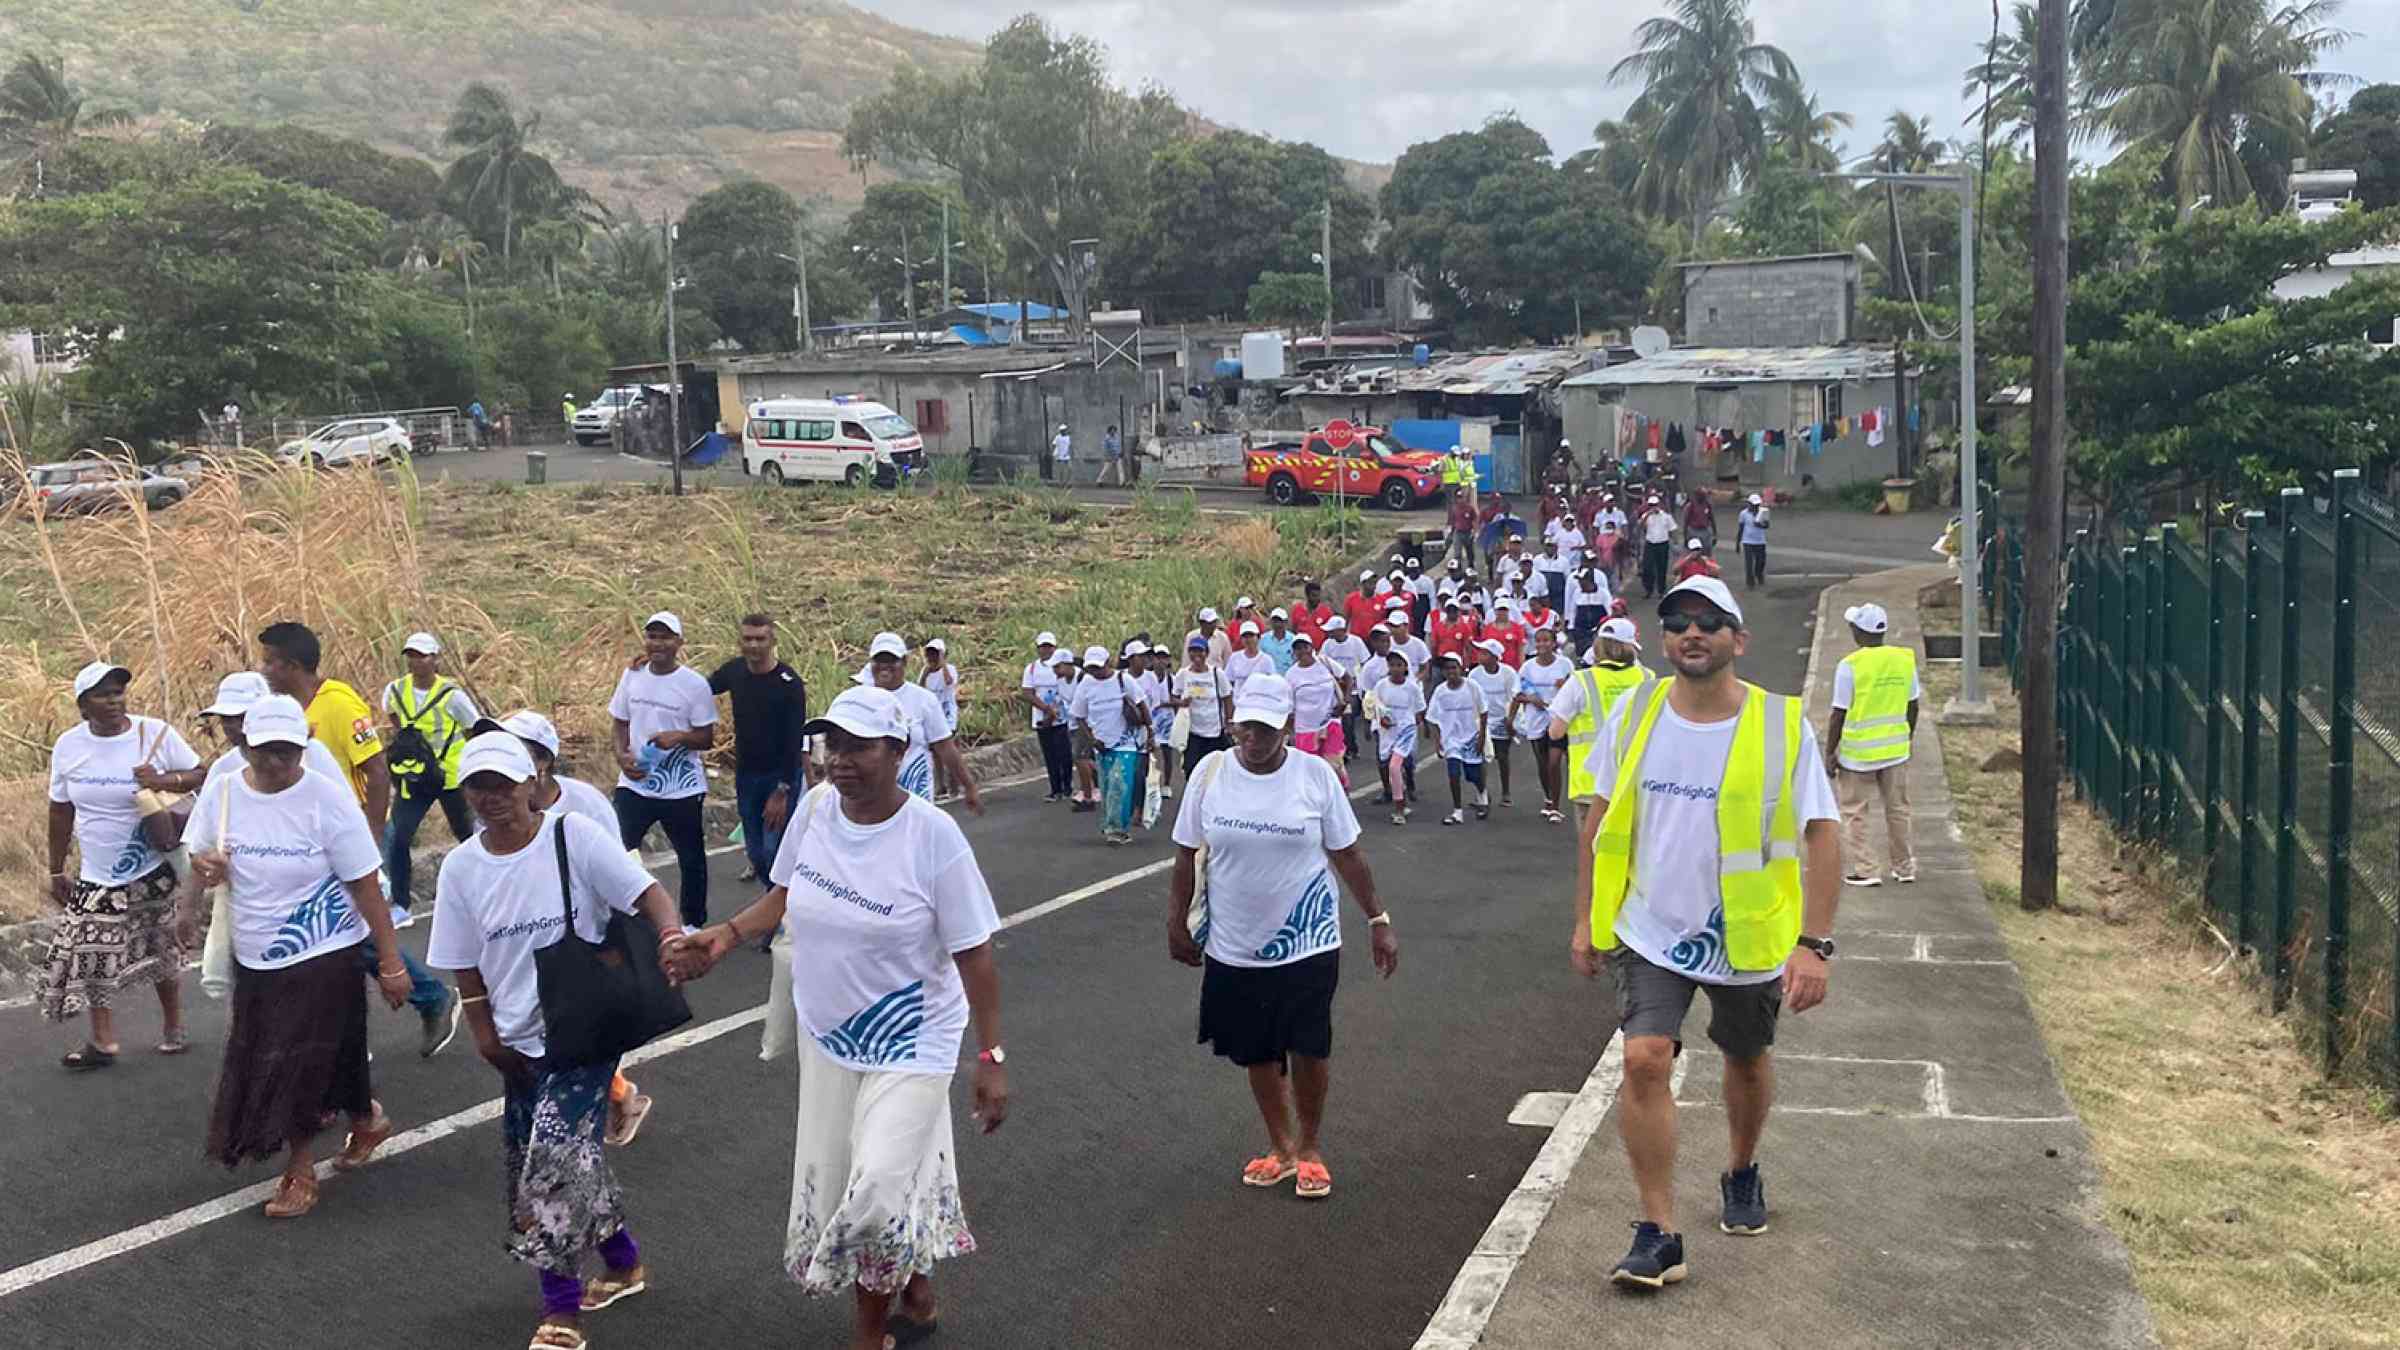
(1875, 732)
(1758, 835)
(1602, 684)
(444, 733)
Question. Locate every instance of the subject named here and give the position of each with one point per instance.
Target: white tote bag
(1195, 919)
(216, 953)
(779, 1031)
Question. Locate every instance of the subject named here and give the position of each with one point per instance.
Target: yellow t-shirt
(342, 720)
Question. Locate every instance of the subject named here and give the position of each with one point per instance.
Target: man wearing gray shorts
(1676, 906)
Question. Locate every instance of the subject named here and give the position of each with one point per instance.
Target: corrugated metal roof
(1467, 374)
(1744, 365)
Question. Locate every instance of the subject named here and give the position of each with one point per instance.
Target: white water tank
(1262, 356)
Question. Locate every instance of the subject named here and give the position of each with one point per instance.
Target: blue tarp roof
(1006, 310)
(973, 336)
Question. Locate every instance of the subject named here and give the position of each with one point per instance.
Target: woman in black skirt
(1269, 944)
(302, 866)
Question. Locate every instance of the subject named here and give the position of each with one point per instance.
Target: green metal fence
(2213, 703)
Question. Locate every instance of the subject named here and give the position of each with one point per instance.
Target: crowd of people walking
(1708, 854)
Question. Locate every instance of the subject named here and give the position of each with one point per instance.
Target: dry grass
(2261, 1204)
(538, 594)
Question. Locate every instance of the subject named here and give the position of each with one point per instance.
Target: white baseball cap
(1868, 618)
(1095, 656)
(497, 752)
(1064, 656)
(1337, 621)
(427, 644)
(237, 692)
(1692, 544)
(1491, 645)
(1137, 647)
(1500, 604)
(97, 671)
(1621, 630)
(1710, 589)
(862, 710)
(1279, 612)
(1454, 564)
(1299, 636)
(936, 645)
(1250, 628)
(1366, 574)
(1416, 562)
(1265, 699)
(1245, 603)
(275, 719)
(1755, 501)
(887, 644)
(666, 619)
(1045, 638)
(526, 725)
(1208, 614)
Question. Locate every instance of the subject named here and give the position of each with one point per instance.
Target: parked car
(831, 439)
(353, 440)
(1359, 462)
(596, 420)
(88, 486)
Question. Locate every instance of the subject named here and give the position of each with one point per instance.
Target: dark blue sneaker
(1745, 1201)
(1655, 1261)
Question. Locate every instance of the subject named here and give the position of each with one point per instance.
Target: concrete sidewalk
(1927, 1179)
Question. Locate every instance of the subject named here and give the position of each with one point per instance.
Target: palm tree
(1704, 74)
(1803, 131)
(1908, 146)
(635, 257)
(2001, 85)
(460, 248)
(40, 109)
(2192, 76)
(499, 176)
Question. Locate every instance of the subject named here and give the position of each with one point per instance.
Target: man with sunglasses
(1711, 861)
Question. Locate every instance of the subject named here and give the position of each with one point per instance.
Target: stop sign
(1339, 434)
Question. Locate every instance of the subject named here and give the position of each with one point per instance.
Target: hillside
(652, 101)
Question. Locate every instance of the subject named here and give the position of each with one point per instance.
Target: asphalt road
(1108, 1209)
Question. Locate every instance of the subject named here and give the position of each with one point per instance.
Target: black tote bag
(600, 1000)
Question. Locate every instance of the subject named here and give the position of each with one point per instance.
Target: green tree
(726, 246)
(1704, 77)
(1038, 137)
(895, 232)
(1908, 146)
(1801, 131)
(42, 110)
(2003, 79)
(500, 182)
(1507, 245)
(1787, 211)
(2189, 78)
(175, 292)
(1293, 299)
(401, 186)
(2365, 136)
(1220, 211)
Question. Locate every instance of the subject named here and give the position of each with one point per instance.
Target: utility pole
(1325, 255)
(674, 379)
(2045, 509)
(945, 257)
(1902, 288)
(800, 292)
(908, 283)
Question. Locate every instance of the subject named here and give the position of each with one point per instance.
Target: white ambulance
(840, 439)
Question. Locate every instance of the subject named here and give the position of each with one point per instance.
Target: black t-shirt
(768, 712)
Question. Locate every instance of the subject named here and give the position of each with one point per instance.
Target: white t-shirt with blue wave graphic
(96, 774)
(1674, 911)
(928, 726)
(876, 915)
(1272, 899)
(649, 703)
(290, 852)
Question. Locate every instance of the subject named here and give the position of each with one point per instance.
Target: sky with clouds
(1367, 78)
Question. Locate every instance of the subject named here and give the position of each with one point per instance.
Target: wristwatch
(995, 1055)
(1822, 946)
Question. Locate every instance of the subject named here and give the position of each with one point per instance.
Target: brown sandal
(556, 1336)
(363, 1142)
(295, 1196)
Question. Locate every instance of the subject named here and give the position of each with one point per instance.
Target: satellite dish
(1650, 340)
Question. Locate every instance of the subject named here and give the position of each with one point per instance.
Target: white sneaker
(1482, 798)
(1906, 874)
(1455, 818)
(402, 917)
(1862, 879)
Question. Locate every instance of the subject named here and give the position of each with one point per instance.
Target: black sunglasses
(1711, 622)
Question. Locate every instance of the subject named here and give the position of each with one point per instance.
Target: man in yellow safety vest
(428, 718)
(1613, 666)
(1710, 863)
(1875, 697)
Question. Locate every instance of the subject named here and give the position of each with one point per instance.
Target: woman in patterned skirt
(1277, 826)
(117, 928)
(890, 926)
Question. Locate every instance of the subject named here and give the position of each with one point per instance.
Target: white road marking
(183, 1221)
(1924, 951)
(1541, 1110)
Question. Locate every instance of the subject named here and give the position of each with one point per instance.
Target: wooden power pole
(2045, 508)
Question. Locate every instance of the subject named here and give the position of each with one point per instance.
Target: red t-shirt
(1448, 637)
(1539, 617)
(1312, 621)
(1695, 565)
(1462, 516)
(1511, 637)
(1360, 609)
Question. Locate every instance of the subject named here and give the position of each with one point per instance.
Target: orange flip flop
(1268, 1170)
(1315, 1182)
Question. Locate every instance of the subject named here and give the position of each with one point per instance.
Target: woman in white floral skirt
(890, 926)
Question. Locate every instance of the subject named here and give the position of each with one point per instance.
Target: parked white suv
(596, 420)
(355, 440)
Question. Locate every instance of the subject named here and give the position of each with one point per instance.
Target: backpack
(414, 762)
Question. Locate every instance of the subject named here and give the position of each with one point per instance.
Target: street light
(1970, 703)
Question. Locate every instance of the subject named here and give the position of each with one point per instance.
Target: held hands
(1804, 979)
(692, 955)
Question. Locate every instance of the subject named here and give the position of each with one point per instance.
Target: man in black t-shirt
(770, 752)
